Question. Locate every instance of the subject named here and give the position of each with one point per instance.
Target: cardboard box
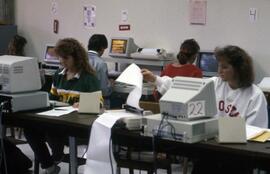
(152, 106)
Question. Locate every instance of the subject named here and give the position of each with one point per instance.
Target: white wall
(154, 23)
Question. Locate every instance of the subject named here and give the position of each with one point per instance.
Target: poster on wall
(197, 12)
(54, 7)
(89, 14)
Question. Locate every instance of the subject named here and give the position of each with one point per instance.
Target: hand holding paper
(132, 76)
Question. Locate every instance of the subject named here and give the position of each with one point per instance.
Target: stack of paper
(59, 111)
(257, 134)
(265, 84)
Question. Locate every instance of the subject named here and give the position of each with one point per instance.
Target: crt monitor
(122, 47)
(19, 74)
(207, 62)
(50, 57)
(189, 98)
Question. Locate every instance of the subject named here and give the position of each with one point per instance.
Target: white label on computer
(196, 109)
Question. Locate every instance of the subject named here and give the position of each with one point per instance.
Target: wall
(154, 23)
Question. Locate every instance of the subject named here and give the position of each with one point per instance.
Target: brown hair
(240, 61)
(188, 50)
(71, 47)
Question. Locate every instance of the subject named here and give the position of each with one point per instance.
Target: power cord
(157, 135)
(85, 150)
(110, 153)
(3, 156)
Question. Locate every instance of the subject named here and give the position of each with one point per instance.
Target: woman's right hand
(148, 75)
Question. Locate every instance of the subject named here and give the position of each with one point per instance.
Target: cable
(154, 152)
(110, 155)
(2, 138)
(85, 150)
(156, 136)
(160, 124)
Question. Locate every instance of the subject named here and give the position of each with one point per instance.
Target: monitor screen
(118, 46)
(208, 64)
(50, 55)
(122, 47)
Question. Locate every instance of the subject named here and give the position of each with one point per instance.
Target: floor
(64, 166)
(26, 149)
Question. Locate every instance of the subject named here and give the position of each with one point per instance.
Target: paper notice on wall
(132, 76)
(54, 7)
(197, 12)
(124, 16)
(89, 14)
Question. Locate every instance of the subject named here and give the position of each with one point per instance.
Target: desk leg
(73, 164)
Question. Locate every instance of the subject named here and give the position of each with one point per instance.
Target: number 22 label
(196, 108)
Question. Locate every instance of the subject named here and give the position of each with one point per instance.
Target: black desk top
(73, 124)
(79, 125)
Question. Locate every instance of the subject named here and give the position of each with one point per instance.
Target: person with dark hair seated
(16, 46)
(188, 52)
(96, 47)
(184, 67)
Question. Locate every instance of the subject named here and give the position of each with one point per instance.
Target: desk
(78, 125)
(73, 124)
(256, 155)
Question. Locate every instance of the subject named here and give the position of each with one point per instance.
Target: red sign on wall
(124, 27)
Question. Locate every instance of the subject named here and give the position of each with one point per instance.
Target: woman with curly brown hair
(76, 76)
(236, 94)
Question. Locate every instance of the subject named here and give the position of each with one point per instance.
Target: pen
(60, 109)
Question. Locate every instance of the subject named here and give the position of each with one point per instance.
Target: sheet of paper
(253, 131)
(100, 154)
(89, 13)
(197, 11)
(56, 112)
(265, 84)
(262, 137)
(257, 134)
(132, 75)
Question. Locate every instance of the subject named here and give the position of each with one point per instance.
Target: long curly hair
(241, 62)
(71, 47)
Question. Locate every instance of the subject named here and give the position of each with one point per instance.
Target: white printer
(183, 131)
(151, 54)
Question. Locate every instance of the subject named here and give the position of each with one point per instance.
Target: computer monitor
(50, 57)
(189, 99)
(19, 74)
(207, 62)
(122, 47)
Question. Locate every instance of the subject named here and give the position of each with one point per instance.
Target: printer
(183, 131)
(187, 111)
(25, 101)
(151, 54)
